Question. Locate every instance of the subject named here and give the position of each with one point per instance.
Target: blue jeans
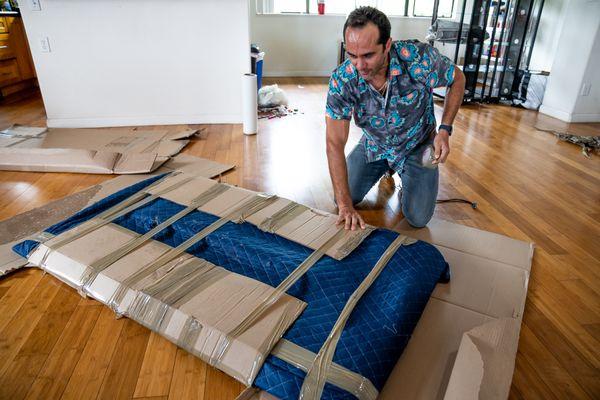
(419, 184)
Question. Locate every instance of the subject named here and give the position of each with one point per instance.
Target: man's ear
(388, 45)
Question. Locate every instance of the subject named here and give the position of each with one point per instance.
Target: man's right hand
(351, 219)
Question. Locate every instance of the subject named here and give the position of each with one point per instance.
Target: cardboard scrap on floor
(30, 223)
(94, 151)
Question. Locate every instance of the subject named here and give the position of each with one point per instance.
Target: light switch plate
(585, 89)
(35, 5)
(45, 45)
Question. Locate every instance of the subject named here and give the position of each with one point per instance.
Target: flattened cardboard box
(97, 151)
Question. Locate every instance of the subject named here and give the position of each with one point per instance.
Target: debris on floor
(588, 143)
(276, 112)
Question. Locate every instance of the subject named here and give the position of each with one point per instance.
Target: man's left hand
(441, 144)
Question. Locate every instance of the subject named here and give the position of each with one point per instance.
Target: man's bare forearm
(337, 135)
(454, 97)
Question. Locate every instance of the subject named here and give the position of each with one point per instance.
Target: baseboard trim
(553, 112)
(285, 74)
(585, 117)
(142, 121)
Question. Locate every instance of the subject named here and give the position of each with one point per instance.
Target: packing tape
(288, 282)
(96, 267)
(339, 376)
(316, 377)
(152, 303)
(249, 207)
(282, 217)
(132, 203)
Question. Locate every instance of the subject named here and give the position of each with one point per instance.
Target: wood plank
(189, 377)
(59, 366)
(23, 283)
(548, 368)
(157, 368)
(222, 386)
(88, 375)
(121, 376)
(19, 328)
(20, 373)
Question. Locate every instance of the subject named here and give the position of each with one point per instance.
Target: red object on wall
(321, 5)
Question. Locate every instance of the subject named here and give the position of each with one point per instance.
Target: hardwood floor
(529, 185)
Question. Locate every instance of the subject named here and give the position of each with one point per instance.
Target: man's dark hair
(363, 15)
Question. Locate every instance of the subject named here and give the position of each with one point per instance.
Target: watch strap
(447, 128)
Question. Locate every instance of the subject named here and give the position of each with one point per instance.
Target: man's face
(367, 55)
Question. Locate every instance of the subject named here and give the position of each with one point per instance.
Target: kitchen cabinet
(17, 71)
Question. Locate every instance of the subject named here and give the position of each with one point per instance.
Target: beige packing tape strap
(339, 376)
(104, 218)
(152, 303)
(96, 267)
(279, 291)
(282, 217)
(249, 207)
(132, 203)
(352, 243)
(315, 379)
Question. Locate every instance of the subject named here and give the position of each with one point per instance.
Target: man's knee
(417, 216)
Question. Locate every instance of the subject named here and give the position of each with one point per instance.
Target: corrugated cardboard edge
(485, 364)
(22, 226)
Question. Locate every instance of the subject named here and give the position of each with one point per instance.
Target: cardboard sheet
(97, 151)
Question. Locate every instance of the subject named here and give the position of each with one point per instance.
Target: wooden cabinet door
(20, 47)
(9, 72)
(3, 25)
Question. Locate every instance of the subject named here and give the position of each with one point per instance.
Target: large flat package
(464, 344)
(94, 151)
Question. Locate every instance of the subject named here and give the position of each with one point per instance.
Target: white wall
(576, 63)
(548, 34)
(308, 45)
(140, 62)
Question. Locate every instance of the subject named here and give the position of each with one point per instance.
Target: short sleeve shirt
(396, 123)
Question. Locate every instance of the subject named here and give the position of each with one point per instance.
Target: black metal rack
(496, 48)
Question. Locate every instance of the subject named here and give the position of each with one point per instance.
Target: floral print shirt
(396, 123)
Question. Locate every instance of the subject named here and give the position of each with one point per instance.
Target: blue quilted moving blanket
(381, 324)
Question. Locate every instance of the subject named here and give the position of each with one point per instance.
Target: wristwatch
(447, 128)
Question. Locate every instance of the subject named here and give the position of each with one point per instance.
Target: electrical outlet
(585, 89)
(35, 5)
(45, 45)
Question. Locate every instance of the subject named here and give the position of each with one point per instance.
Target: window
(414, 8)
(424, 8)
